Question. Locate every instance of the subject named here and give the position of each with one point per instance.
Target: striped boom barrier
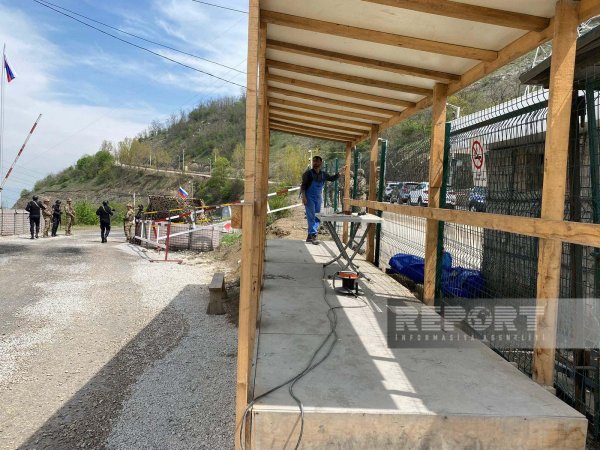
(19, 154)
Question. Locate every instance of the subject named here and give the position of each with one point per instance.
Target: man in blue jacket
(311, 190)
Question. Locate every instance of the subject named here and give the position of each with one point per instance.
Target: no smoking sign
(477, 156)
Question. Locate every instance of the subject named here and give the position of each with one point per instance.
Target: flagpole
(2, 121)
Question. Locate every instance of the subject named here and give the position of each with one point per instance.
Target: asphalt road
(100, 348)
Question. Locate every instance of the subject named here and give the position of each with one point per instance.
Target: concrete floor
(366, 395)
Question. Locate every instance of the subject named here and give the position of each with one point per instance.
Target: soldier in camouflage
(47, 213)
(70, 213)
(128, 222)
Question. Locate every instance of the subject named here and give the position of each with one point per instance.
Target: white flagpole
(2, 122)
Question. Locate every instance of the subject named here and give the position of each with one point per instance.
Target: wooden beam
(436, 167)
(333, 127)
(400, 69)
(331, 101)
(346, 194)
(379, 37)
(307, 129)
(248, 284)
(562, 69)
(339, 91)
(587, 10)
(338, 112)
(473, 13)
(337, 76)
(587, 234)
(320, 117)
(373, 156)
(299, 133)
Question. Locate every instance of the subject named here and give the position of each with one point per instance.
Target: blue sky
(90, 87)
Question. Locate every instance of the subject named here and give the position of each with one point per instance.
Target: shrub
(85, 213)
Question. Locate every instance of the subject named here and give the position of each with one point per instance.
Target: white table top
(366, 218)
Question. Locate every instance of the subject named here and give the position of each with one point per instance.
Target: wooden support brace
(217, 294)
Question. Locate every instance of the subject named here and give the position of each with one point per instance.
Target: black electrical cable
(139, 46)
(139, 37)
(220, 6)
(333, 321)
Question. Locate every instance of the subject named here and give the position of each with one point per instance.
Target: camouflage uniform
(128, 223)
(70, 213)
(47, 213)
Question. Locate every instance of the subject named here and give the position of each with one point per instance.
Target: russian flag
(10, 75)
(183, 192)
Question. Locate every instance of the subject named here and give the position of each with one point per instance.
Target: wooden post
(248, 284)
(553, 193)
(370, 255)
(436, 167)
(346, 194)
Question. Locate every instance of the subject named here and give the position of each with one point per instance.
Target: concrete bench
(217, 294)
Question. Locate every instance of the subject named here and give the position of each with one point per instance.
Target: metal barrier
(14, 222)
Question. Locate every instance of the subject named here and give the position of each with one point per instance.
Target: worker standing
(47, 213)
(104, 213)
(128, 222)
(70, 213)
(56, 217)
(34, 209)
(311, 190)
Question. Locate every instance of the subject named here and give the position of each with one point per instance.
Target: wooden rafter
(308, 129)
(339, 91)
(379, 37)
(399, 69)
(470, 12)
(320, 117)
(300, 133)
(332, 101)
(338, 112)
(348, 78)
(333, 127)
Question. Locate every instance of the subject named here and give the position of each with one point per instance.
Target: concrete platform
(368, 396)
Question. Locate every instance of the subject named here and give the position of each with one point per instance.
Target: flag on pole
(183, 192)
(10, 75)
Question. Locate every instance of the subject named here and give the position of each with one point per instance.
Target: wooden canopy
(337, 67)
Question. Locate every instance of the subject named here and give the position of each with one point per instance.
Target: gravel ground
(99, 348)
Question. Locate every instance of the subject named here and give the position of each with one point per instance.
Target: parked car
(401, 192)
(420, 196)
(477, 196)
(389, 187)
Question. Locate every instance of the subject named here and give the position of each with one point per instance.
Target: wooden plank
(588, 9)
(562, 69)
(217, 282)
(373, 156)
(379, 37)
(320, 117)
(339, 91)
(473, 13)
(575, 232)
(306, 129)
(331, 101)
(436, 167)
(306, 134)
(346, 193)
(338, 76)
(325, 126)
(338, 112)
(400, 69)
(248, 286)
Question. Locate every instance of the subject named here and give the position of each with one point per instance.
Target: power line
(141, 38)
(220, 6)
(138, 46)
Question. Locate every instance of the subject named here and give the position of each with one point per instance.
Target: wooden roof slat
(283, 118)
(472, 13)
(348, 78)
(332, 101)
(309, 115)
(338, 112)
(339, 91)
(399, 69)
(310, 129)
(307, 133)
(379, 37)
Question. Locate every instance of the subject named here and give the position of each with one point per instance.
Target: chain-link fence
(14, 222)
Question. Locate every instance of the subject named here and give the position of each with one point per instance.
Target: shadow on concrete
(10, 249)
(84, 421)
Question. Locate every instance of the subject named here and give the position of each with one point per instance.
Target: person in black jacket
(104, 212)
(56, 216)
(34, 208)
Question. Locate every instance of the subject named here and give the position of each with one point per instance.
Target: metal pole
(380, 189)
(443, 188)
(325, 190)
(335, 187)
(355, 188)
(2, 123)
